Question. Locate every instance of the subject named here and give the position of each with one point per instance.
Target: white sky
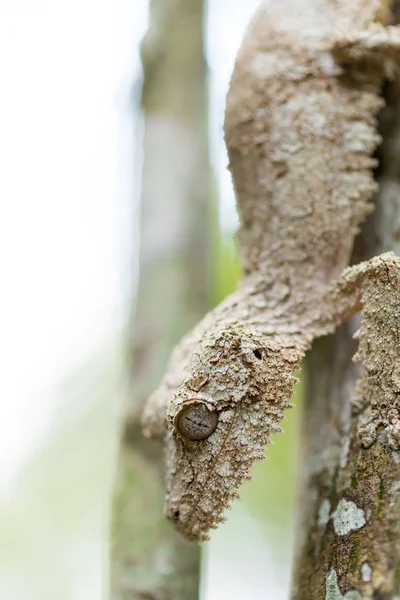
(227, 21)
(66, 183)
(67, 143)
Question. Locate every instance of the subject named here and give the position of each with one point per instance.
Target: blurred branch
(149, 559)
(331, 566)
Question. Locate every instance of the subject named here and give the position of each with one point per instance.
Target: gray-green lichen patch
(395, 488)
(348, 517)
(324, 513)
(332, 590)
(396, 456)
(366, 572)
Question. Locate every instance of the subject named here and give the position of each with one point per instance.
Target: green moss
(397, 573)
(333, 555)
(335, 495)
(354, 556)
(381, 488)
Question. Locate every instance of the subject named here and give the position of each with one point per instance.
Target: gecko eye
(196, 421)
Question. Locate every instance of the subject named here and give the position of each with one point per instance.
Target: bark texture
(349, 531)
(149, 559)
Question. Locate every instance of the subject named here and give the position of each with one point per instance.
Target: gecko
(301, 132)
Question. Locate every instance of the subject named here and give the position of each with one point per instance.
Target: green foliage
(225, 268)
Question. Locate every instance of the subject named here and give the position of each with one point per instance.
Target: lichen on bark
(337, 467)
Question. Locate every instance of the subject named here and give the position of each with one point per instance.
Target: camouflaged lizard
(300, 129)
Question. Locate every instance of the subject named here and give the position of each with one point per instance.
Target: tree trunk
(149, 558)
(344, 551)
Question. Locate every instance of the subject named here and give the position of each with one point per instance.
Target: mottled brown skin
(300, 130)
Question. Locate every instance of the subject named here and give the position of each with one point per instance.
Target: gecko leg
(377, 45)
(375, 286)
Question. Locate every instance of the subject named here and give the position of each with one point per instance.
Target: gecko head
(219, 421)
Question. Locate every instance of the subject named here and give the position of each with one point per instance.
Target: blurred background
(116, 234)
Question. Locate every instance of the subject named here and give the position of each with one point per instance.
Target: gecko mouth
(188, 527)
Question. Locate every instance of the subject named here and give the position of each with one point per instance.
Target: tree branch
(149, 559)
(343, 550)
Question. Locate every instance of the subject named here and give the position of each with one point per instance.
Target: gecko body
(300, 129)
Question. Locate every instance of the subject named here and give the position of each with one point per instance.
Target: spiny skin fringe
(250, 395)
(234, 495)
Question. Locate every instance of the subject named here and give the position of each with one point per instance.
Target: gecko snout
(185, 523)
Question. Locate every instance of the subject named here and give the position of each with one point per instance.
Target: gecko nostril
(175, 515)
(257, 353)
